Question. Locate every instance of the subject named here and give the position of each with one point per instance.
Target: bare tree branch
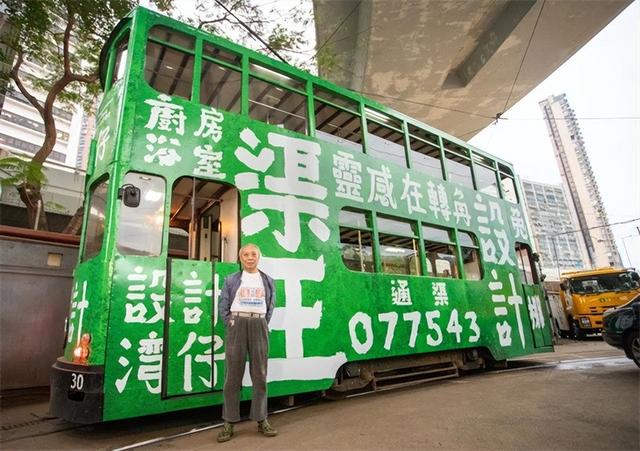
(66, 40)
(202, 23)
(83, 78)
(14, 74)
(49, 121)
(47, 114)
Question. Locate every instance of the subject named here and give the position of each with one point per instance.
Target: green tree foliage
(22, 174)
(275, 26)
(18, 171)
(64, 38)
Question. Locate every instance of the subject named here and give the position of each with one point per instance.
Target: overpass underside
(452, 64)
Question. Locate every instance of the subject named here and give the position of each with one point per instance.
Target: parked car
(621, 328)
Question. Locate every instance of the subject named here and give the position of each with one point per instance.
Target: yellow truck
(580, 299)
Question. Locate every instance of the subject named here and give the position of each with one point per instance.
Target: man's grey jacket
(231, 284)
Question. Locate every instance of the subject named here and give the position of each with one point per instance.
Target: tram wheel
(334, 395)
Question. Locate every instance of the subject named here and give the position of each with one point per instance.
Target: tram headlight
(82, 350)
(584, 322)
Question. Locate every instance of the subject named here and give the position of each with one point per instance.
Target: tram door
(203, 248)
(534, 300)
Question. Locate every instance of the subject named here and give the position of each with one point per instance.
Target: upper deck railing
(207, 70)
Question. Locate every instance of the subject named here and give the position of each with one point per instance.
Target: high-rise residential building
(87, 130)
(22, 133)
(22, 128)
(553, 226)
(579, 182)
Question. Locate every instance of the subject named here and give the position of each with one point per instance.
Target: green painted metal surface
(152, 318)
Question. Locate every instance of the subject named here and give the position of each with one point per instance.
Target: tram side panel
(354, 316)
(326, 315)
(77, 378)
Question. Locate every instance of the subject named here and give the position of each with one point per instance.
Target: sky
(601, 80)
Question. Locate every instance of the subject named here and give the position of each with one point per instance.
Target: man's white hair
(248, 245)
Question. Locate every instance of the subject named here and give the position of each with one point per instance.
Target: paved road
(590, 400)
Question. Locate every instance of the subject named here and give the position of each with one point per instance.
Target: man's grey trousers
(246, 335)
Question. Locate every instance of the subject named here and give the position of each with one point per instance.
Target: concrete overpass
(453, 64)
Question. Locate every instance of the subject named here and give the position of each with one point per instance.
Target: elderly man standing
(246, 306)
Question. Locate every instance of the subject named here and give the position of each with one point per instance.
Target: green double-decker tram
(399, 252)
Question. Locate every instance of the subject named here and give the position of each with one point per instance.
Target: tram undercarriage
(396, 372)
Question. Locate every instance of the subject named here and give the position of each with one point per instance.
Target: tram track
(44, 422)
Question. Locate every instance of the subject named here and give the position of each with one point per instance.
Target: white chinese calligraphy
(298, 191)
(381, 188)
(400, 293)
(439, 291)
(411, 193)
(347, 173)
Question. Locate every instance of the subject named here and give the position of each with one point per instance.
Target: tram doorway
(203, 249)
(203, 223)
(534, 296)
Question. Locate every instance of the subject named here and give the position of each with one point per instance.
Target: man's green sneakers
(226, 433)
(265, 428)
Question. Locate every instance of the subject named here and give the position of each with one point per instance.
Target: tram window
(277, 106)
(508, 189)
(430, 233)
(356, 243)
(425, 152)
(120, 59)
(168, 69)
(385, 138)
(526, 265)
(140, 228)
(94, 233)
(357, 249)
(356, 219)
(458, 165)
(220, 87)
(396, 227)
(174, 37)
(211, 51)
(280, 78)
(470, 256)
(486, 181)
(203, 221)
(440, 252)
(508, 185)
(336, 99)
(338, 126)
(399, 248)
